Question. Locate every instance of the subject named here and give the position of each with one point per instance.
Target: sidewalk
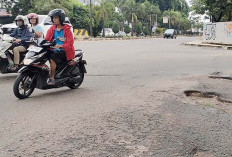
(201, 43)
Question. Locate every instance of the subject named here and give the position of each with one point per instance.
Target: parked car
(108, 32)
(120, 34)
(170, 33)
(7, 29)
(44, 21)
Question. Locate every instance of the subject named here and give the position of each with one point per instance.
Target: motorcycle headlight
(27, 61)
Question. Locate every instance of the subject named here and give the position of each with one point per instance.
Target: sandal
(51, 82)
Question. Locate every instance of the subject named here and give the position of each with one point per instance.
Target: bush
(159, 31)
(146, 31)
(127, 29)
(115, 28)
(138, 28)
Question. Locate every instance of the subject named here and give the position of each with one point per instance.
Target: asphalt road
(131, 104)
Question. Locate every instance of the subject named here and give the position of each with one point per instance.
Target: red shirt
(69, 42)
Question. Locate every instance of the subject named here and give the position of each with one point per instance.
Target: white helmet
(20, 17)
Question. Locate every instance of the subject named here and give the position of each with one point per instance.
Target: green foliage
(146, 31)
(138, 28)
(127, 29)
(103, 12)
(115, 28)
(159, 31)
(120, 19)
(218, 10)
(80, 17)
(7, 4)
(22, 7)
(177, 20)
(104, 15)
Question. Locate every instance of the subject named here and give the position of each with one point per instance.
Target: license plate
(34, 48)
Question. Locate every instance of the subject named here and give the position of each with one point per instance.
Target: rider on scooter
(64, 49)
(21, 34)
(35, 28)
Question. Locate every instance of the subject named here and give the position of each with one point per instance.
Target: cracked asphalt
(131, 104)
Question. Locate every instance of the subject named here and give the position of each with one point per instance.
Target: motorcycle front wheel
(24, 85)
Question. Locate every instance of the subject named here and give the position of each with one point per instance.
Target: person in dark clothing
(21, 35)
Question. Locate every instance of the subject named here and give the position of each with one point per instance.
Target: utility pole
(91, 19)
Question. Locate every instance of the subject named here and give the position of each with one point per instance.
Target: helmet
(33, 16)
(57, 12)
(20, 17)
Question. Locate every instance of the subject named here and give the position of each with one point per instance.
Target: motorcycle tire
(76, 85)
(25, 82)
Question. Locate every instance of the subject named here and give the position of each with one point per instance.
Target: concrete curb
(204, 44)
(132, 38)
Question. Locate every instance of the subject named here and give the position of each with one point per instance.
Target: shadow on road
(8, 77)
(62, 92)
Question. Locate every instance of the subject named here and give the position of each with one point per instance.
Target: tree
(159, 31)
(115, 28)
(104, 15)
(146, 31)
(80, 17)
(138, 28)
(218, 10)
(130, 10)
(22, 7)
(103, 11)
(7, 4)
(152, 11)
(44, 6)
(127, 29)
(120, 19)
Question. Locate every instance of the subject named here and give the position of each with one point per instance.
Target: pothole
(216, 73)
(203, 154)
(221, 77)
(194, 93)
(200, 94)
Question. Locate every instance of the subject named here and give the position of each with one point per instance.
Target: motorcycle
(6, 57)
(35, 72)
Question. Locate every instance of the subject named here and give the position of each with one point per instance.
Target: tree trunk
(219, 17)
(103, 31)
(230, 17)
(132, 24)
(91, 19)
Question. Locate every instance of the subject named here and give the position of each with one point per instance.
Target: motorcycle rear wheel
(76, 85)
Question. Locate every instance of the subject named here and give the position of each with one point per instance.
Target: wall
(220, 32)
